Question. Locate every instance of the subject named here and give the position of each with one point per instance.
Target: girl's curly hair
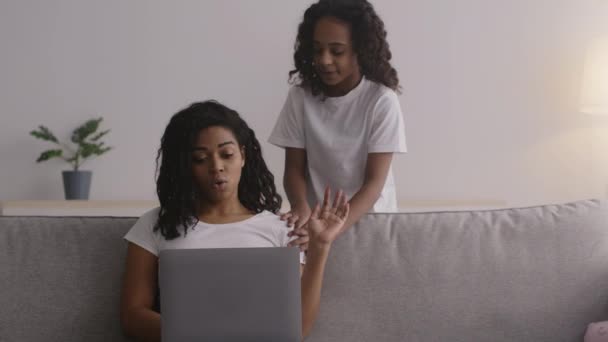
(369, 43)
(175, 185)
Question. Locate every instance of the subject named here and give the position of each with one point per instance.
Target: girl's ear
(243, 156)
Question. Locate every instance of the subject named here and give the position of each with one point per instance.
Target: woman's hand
(326, 222)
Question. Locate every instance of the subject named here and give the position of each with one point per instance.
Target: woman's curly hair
(369, 43)
(175, 185)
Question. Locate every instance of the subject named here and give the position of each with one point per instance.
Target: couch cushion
(533, 274)
(60, 278)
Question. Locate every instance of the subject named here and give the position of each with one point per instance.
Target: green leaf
(46, 155)
(101, 134)
(44, 134)
(87, 150)
(82, 132)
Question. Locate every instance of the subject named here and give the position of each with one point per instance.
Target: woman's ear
(243, 156)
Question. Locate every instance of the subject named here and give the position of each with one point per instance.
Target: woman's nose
(217, 165)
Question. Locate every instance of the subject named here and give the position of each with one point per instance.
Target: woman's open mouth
(220, 185)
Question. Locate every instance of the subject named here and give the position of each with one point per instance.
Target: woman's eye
(228, 155)
(337, 53)
(199, 160)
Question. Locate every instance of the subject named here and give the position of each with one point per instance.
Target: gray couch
(530, 274)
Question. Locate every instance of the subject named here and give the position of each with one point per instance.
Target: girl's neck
(344, 87)
(223, 212)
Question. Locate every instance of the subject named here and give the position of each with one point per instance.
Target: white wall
(490, 89)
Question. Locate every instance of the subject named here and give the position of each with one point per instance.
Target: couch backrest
(533, 274)
(60, 278)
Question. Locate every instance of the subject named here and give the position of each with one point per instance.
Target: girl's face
(334, 57)
(217, 161)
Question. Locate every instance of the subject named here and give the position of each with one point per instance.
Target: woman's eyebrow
(203, 148)
(225, 143)
(331, 44)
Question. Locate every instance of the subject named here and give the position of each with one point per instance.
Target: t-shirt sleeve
(388, 129)
(142, 232)
(289, 129)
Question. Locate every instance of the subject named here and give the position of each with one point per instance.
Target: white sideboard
(136, 208)
(76, 208)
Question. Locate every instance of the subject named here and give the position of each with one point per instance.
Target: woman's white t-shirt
(262, 230)
(338, 133)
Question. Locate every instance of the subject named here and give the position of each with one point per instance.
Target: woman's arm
(376, 171)
(324, 225)
(137, 318)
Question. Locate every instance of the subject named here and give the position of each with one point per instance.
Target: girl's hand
(298, 216)
(326, 222)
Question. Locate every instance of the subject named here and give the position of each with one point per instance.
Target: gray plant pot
(76, 184)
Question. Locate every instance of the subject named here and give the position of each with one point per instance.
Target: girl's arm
(137, 318)
(324, 226)
(376, 171)
(294, 182)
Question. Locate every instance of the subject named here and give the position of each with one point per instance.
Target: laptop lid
(230, 294)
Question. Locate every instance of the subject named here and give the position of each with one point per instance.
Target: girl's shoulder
(380, 91)
(298, 92)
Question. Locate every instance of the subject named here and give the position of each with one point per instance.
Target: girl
(341, 122)
(216, 191)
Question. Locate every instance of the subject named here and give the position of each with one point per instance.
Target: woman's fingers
(337, 198)
(315, 212)
(326, 198)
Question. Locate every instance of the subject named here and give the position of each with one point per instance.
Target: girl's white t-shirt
(338, 133)
(261, 230)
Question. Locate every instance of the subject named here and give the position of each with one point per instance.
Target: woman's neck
(223, 212)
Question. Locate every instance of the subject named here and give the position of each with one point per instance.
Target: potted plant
(86, 144)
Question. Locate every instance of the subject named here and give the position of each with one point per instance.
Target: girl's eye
(228, 155)
(199, 160)
(337, 53)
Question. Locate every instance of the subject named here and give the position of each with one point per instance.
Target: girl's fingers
(299, 232)
(299, 241)
(292, 219)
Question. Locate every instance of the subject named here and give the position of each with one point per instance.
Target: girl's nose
(325, 58)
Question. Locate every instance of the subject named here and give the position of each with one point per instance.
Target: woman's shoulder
(268, 217)
(151, 214)
(148, 219)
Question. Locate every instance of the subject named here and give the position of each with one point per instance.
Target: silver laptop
(230, 294)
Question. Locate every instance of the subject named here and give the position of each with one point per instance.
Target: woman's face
(217, 162)
(333, 55)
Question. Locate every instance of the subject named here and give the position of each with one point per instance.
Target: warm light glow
(594, 92)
